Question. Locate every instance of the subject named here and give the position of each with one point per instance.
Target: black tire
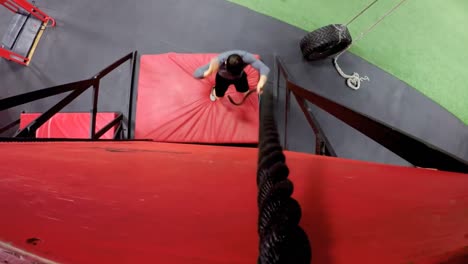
(325, 42)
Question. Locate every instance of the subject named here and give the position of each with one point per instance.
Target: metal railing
(76, 89)
(322, 145)
(412, 149)
(10, 126)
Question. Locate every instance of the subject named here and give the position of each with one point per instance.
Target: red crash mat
(173, 106)
(69, 125)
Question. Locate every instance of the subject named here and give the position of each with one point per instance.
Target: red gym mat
(69, 125)
(173, 106)
(148, 202)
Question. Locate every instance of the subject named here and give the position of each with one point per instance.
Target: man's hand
(259, 89)
(261, 84)
(214, 66)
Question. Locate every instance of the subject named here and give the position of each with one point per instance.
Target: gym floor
(90, 35)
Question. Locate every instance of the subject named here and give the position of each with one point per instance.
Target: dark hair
(235, 64)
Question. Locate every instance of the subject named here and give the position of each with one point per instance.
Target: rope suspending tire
(334, 40)
(331, 41)
(325, 42)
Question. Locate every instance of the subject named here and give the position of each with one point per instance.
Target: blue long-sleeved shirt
(247, 57)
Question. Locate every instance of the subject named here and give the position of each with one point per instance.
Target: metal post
(277, 81)
(92, 131)
(286, 114)
(322, 146)
(131, 99)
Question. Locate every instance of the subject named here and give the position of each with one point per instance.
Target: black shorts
(222, 84)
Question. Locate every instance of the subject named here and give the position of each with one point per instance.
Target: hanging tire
(325, 42)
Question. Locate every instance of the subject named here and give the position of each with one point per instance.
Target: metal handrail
(10, 126)
(17, 100)
(322, 144)
(414, 150)
(30, 129)
(76, 89)
(113, 66)
(107, 127)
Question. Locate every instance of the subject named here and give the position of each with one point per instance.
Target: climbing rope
(354, 81)
(282, 240)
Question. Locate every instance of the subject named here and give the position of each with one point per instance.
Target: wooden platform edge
(36, 42)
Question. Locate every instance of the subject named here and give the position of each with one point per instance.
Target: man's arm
(248, 58)
(261, 83)
(260, 66)
(200, 72)
(213, 66)
(215, 62)
(207, 69)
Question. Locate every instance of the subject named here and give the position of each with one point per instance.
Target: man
(229, 67)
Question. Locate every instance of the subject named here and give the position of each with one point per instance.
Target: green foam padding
(423, 43)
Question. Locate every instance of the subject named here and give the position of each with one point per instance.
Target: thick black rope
(282, 240)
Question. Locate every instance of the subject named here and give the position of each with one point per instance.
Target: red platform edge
(147, 202)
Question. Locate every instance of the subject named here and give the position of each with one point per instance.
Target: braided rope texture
(282, 240)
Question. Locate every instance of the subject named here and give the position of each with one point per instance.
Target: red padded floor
(146, 202)
(173, 106)
(69, 125)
